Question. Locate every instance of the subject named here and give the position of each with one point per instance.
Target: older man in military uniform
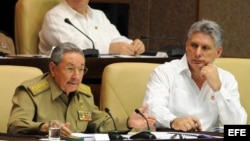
(60, 95)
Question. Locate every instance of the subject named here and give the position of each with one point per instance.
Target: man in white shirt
(192, 94)
(91, 22)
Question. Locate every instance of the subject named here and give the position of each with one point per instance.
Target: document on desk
(170, 135)
(92, 137)
(178, 135)
(218, 129)
(29, 55)
(130, 56)
(138, 56)
(159, 135)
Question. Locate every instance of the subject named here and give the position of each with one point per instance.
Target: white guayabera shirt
(96, 26)
(171, 93)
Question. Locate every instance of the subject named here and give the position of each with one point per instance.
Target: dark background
(7, 12)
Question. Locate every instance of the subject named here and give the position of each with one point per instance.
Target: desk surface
(95, 66)
(4, 136)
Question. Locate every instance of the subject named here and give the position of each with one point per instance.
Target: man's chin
(197, 66)
(73, 88)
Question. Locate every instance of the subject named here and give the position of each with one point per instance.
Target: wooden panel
(161, 18)
(233, 16)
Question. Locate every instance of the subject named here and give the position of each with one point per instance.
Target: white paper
(102, 137)
(128, 56)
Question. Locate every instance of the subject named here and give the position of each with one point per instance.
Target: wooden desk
(4, 136)
(95, 65)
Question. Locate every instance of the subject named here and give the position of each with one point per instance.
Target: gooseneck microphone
(113, 135)
(139, 112)
(143, 134)
(87, 52)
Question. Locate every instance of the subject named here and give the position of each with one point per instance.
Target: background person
(92, 22)
(7, 46)
(192, 93)
(59, 95)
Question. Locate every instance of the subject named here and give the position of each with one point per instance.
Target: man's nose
(198, 51)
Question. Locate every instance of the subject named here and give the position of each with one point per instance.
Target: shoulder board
(39, 87)
(85, 89)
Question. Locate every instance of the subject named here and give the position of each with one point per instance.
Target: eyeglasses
(78, 70)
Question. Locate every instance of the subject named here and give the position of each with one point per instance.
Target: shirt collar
(55, 90)
(184, 67)
(73, 13)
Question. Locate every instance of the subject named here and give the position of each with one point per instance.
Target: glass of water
(54, 130)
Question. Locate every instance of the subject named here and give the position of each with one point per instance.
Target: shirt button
(212, 98)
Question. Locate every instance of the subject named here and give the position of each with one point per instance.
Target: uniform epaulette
(39, 87)
(84, 89)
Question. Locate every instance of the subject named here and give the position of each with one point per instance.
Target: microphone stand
(91, 52)
(113, 135)
(143, 134)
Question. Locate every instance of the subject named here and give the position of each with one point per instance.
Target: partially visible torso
(49, 102)
(96, 26)
(171, 85)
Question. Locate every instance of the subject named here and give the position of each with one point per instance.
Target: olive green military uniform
(40, 100)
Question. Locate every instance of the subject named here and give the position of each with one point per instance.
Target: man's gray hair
(58, 51)
(208, 27)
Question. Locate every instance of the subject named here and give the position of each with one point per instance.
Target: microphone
(113, 135)
(171, 51)
(144, 134)
(87, 52)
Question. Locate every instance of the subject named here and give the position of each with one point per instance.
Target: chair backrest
(29, 16)
(11, 77)
(240, 68)
(123, 86)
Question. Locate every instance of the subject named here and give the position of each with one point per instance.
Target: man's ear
(219, 51)
(52, 66)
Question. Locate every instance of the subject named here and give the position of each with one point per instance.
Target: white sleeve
(228, 101)
(157, 95)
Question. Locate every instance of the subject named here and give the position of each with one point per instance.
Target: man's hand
(137, 121)
(210, 73)
(135, 48)
(65, 131)
(188, 123)
(139, 47)
(121, 48)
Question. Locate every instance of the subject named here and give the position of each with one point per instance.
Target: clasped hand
(65, 131)
(135, 48)
(188, 123)
(210, 73)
